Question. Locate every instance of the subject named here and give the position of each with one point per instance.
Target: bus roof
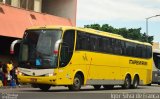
(88, 30)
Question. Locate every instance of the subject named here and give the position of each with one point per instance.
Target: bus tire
(77, 83)
(44, 87)
(149, 84)
(97, 87)
(127, 82)
(34, 85)
(135, 82)
(108, 86)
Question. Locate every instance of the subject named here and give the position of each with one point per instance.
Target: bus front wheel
(77, 82)
(44, 87)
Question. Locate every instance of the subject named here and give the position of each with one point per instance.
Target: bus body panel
(97, 68)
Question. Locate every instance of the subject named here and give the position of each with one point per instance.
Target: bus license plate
(33, 79)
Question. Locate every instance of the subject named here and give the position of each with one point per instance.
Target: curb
(22, 86)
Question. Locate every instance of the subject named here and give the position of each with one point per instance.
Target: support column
(37, 5)
(15, 3)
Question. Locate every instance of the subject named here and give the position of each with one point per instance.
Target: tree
(108, 28)
(132, 33)
(93, 26)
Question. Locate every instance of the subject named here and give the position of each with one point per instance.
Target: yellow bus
(72, 56)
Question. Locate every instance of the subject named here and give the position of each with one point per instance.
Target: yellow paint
(96, 65)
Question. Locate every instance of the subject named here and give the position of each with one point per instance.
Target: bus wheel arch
(127, 82)
(82, 76)
(78, 81)
(135, 81)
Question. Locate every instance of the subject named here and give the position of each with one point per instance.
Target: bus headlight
(49, 74)
(20, 73)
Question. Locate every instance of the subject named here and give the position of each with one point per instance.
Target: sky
(120, 14)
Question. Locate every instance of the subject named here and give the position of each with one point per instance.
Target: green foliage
(133, 33)
(94, 26)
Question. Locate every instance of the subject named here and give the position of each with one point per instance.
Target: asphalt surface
(87, 92)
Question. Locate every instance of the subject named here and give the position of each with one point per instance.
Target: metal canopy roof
(13, 21)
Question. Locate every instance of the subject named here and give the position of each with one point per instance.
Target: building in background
(61, 8)
(156, 45)
(17, 15)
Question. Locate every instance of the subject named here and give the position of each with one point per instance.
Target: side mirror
(56, 46)
(13, 45)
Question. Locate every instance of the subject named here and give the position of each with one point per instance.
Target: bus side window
(144, 51)
(67, 47)
(108, 45)
(93, 43)
(100, 44)
(103, 44)
(123, 48)
(139, 51)
(82, 42)
(118, 49)
(149, 52)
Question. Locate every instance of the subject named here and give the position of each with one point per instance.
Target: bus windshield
(37, 49)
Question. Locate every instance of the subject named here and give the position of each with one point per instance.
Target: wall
(62, 8)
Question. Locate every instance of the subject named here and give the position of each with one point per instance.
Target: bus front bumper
(51, 80)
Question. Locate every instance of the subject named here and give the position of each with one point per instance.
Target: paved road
(143, 92)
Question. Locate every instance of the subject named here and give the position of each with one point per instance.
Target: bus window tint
(100, 44)
(97, 43)
(82, 41)
(93, 43)
(67, 47)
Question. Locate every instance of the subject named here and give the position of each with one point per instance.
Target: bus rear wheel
(44, 87)
(77, 83)
(135, 82)
(97, 87)
(127, 82)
